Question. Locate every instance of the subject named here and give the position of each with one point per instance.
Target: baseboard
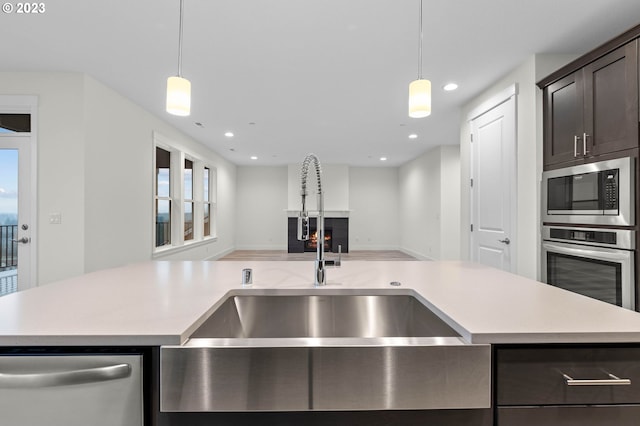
(263, 247)
(221, 254)
(371, 248)
(415, 254)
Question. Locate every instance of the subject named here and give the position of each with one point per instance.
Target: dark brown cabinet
(603, 415)
(567, 385)
(563, 117)
(594, 110)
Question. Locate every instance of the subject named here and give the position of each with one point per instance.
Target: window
(206, 220)
(163, 197)
(15, 123)
(185, 196)
(188, 200)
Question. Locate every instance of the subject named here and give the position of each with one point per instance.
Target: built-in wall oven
(595, 262)
(600, 193)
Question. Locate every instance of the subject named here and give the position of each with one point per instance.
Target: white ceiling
(324, 76)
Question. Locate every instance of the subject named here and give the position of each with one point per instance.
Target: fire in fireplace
(312, 243)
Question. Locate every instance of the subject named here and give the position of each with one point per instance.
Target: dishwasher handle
(64, 378)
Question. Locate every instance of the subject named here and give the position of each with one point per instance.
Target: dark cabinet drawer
(532, 376)
(623, 415)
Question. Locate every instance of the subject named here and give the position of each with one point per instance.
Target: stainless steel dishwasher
(71, 390)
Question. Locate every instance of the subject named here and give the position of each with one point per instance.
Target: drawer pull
(612, 381)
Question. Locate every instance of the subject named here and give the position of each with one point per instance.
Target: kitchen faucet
(303, 221)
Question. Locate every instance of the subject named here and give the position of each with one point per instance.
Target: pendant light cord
(420, 46)
(180, 40)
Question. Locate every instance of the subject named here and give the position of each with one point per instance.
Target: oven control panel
(600, 237)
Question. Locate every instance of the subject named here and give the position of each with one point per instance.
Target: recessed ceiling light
(253, 157)
(413, 136)
(383, 158)
(229, 134)
(450, 86)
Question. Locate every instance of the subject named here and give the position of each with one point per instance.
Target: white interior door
(493, 186)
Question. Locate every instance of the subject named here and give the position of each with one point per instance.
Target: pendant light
(179, 88)
(420, 89)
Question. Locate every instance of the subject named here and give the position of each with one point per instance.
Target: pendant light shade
(420, 89)
(178, 96)
(179, 88)
(419, 98)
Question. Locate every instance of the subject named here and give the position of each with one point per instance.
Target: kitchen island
(529, 325)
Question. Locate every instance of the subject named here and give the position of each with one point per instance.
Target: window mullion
(177, 219)
(198, 214)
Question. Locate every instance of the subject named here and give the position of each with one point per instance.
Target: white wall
(335, 187)
(370, 195)
(261, 202)
(60, 168)
(94, 168)
(528, 158)
(119, 178)
(374, 217)
(429, 204)
(450, 202)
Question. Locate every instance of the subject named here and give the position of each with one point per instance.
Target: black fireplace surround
(339, 227)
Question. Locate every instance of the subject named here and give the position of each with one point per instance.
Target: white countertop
(163, 302)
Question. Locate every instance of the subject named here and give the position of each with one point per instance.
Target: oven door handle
(600, 253)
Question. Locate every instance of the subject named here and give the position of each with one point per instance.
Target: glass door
(15, 203)
(8, 220)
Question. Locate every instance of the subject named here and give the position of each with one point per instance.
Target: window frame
(211, 182)
(178, 155)
(157, 198)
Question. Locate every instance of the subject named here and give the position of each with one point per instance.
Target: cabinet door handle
(584, 143)
(64, 378)
(575, 146)
(611, 381)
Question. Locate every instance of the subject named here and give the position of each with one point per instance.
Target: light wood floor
(270, 255)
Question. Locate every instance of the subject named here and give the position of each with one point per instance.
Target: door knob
(23, 240)
(506, 241)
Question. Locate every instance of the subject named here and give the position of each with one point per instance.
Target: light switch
(55, 218)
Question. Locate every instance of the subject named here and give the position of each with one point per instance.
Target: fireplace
(312, 243)
(336, 233)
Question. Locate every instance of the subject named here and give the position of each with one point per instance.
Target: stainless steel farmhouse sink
(322, 350)
(323, 316)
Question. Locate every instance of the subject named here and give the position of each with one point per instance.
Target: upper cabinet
(563, 119)
(592, 110)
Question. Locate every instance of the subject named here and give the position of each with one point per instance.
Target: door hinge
(472, 183)
(472, 227)
(471, 137)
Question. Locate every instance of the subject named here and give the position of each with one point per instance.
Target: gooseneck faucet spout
(303, 220)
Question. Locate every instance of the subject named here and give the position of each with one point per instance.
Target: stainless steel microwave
(600, 193)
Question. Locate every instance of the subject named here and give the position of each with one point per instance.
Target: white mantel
(314, 213)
